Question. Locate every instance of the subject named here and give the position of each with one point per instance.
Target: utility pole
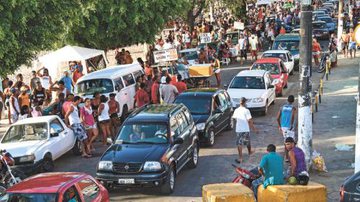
(357, 137)
(340, 24)
(304, 97)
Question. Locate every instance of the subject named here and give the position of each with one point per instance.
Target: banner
(205, 38)
(165, 55)
(239, 25)
(263, 2)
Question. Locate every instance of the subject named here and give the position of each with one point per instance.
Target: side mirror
(226, 86)
(54, 134)
(178, 140)
(109, 141)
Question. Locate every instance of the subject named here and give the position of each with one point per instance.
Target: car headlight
(152, 166)
(105, 165)
(297, 56)
(200, 126)
(27, 158)
(257, 100)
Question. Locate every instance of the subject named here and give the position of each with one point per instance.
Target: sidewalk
(335, 124)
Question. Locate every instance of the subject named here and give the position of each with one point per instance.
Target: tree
(196, 7)
(30, 26)
(237, 8)
(111, 24)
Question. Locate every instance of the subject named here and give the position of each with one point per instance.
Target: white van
(119, 80)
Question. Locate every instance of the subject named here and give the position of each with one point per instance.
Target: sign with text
(239, 25)
(205, 38)
(165, 55)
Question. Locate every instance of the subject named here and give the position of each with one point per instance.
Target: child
(24, 112)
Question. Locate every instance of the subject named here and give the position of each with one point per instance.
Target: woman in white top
(104, 118)
(45, 78)
(14, 105)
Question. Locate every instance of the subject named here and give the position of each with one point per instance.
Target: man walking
(243, 124)
(168, 92)
(271, 167)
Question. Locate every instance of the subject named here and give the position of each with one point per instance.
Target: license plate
(126, 181)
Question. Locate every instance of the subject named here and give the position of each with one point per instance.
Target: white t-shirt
(242, 116)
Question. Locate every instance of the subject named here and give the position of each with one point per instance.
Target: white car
(256, 86)
(36, 142)
(284, 55)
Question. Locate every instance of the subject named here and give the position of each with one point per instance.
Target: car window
(188, 116)
(137, 74)
(223, 103)
(182, 122)
(118, 84)
(248, 82)
(128, 80)
(272, 67)
(89, 189)
(174, 127)
(282, 66)
(71, 195)
(56, 127)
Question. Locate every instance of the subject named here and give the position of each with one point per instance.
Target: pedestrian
(19, 82)
(24, 97)
(59, 106)
(14, 105)
(155, 93)
(24, 112)
(180, 84)
(296, 157)
(352, 43)
(316, 49)
(72, 118)
(39, 94)
(114, 110)
(34, 79)
(244, 122)
(68, 101)
(87, 118)
(271, 168)
(68, 82)
(77, 74)
(148, 70)
(128, 58)
(104, 119)
(141, 97)
(60, 88)
(242, 49)
(168, 91)
(253, 47)
(217, 66)
(45, 78)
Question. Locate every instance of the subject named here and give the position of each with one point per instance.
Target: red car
(58, 187)
(277, 70)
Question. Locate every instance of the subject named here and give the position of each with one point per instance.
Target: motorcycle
(245, 177)
(8, 176)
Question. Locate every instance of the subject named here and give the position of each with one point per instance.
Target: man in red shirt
(141, 96)
(180, 84)
(155, 94)
(67, 103)
(316, 49)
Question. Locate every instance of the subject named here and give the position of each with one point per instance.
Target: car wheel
(230, 124)
(265, 111)
(48, 165)
(211, 137)
(169, 185)
(77, 148)
(194, 158)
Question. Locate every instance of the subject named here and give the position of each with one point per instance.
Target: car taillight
(342, 193)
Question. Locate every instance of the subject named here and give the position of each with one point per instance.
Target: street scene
(209, 100)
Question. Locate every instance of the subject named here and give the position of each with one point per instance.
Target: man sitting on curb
(271, 167)
(296, 157)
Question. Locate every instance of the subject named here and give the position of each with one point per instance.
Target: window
(56, 127)
(271, 67)
(89, 87)
(71, 195)
(244, 82)
(223, 103)
(156, 133)
(128, 80)
(137, 74)
(188, 116)
(118, 84)
(182, 122)
(174, 127)
(89, 189)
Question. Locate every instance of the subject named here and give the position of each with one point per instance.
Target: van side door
(129, 90)
(120, 95)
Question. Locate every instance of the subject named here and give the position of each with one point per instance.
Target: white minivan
(119, 80)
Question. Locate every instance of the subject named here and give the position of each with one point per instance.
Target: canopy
(68, 53)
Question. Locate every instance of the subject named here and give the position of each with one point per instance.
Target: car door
(128, 91)
(185, 133)
(121, 96)
(270, 91)
(58, 144)
(217, 114)
(225, 110)
(291, 62)
(89, 190)
(178, 150)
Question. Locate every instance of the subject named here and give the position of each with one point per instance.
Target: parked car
(119, 80)
(277, 70)
(256, 86)
(320, 30)
(291, 43)
(284, 55)
(329, 23)
(35, 143)
(349, 190)
(59, 187)
(154, 144)
(211, 110)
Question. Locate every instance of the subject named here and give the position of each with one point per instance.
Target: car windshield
(155, 133)
(196, 104)
(89, 87)
(282, 56)
(16, 197)
(248, 82)
(26, 132)
(319, 25)
(287, 45)
(327, 20)
(271, 67)
(191, 55)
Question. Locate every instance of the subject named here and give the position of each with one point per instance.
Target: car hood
(135, 152)
(247, 93)
(200, 118)
(17, 149)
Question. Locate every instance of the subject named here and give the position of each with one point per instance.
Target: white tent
(54, 61)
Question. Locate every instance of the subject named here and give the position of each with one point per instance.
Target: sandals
(238, 161)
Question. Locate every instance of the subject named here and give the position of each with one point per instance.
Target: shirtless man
(114, 109)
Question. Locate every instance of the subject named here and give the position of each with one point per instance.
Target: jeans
(255, 184)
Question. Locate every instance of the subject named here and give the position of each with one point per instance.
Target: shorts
(288, 133)
(79, 131)
(104, 121)
(352, 46)
(217, 71)
(243, 53)
(90, 127)
(254, 53)
(243, 138)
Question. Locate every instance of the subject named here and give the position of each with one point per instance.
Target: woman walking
(87, 118)
(104, 118)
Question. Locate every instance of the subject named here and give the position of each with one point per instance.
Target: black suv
(211, 109)
(155, 142)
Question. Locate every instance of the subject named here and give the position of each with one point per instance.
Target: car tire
(76, 150)
(211, 137)
(265, 111)
(169, 185)
(230, 124)
(194, 157)
(48, 165)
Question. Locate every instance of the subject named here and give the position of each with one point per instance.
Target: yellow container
(227, 192)
(201, 70)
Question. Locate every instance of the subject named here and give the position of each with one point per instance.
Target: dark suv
(211, 109)
(155, 142)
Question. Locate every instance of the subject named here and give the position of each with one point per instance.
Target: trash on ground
(318, 162)
(335, 117)
(343, 147)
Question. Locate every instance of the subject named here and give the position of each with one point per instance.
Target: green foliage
(29, 26)
(113, 23)
(237, 8)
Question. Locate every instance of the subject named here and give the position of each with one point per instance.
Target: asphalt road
(214, 163)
